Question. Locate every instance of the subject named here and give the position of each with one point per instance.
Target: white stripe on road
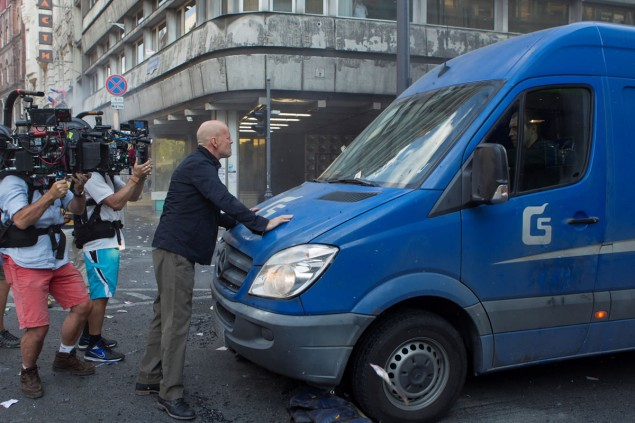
(140, 296)
(114, 303)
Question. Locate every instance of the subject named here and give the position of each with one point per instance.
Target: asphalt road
(225, 389)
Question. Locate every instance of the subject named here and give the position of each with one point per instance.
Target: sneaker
(101, 353)
(85, 338)
(177, 409)
(68, 362)
(49, 301)
(30, 383)
(8, 340)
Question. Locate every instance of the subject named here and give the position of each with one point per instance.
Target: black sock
(85, 331)
(94, 339)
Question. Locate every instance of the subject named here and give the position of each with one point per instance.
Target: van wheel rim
(419, 372)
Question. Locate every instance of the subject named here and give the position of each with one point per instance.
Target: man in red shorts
(36, 264)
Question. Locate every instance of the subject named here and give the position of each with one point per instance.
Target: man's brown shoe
(68, 362)
(30, 383)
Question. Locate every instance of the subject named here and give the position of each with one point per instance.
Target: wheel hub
(418, 372)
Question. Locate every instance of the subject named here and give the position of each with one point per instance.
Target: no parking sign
(116, 85)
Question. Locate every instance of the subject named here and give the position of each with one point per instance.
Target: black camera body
(51, 142)
(128, 146)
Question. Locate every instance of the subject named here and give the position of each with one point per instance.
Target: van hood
(316, 207)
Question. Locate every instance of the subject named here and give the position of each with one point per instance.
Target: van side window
(548, 133)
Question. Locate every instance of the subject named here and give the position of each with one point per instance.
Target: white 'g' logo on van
(538, 233)
(277, 205)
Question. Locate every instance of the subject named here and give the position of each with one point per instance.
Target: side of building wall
(299, 53)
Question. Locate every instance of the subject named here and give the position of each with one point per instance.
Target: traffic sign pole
(116, 85)
(115, 118)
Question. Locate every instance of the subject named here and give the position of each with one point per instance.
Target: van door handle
(583, 221)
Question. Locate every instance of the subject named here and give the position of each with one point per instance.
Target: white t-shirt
(99, 188)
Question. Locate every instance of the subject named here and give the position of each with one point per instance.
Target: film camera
(51, 142)
(129, 145)
(39, 146)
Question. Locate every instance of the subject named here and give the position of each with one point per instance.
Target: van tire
(431, 378)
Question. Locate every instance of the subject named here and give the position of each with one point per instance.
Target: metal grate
(232, 267)
(347, 197)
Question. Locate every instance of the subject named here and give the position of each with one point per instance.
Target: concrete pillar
(171, 25)
(201, 12)
(114, 64)
(332, 8)
(501, 15)
(129, 55)
(300, 6)
(113, 38)
(419, 12)
(128, 24)
(575, 11)
(147, 8)
(215, 9)
(233, 6)
(230, 165)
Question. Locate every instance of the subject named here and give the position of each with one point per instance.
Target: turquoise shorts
(102, 270)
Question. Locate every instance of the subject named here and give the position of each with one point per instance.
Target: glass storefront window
(252, 165)
(167, 154)
(462, 13)
(532, 15)
(606, 13)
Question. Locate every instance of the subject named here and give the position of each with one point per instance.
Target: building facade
(330, 67)
(12, 52)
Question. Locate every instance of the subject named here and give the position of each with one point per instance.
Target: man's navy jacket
(192, 210)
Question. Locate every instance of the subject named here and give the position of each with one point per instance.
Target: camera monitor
(49, 117)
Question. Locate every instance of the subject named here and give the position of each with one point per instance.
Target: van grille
(232, 267)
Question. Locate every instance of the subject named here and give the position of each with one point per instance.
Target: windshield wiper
(354, 182)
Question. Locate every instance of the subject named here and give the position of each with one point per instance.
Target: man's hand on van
(277, 221)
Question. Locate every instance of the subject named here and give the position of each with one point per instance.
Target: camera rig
(51, 142)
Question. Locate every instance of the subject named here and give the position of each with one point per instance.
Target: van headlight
(291, 271)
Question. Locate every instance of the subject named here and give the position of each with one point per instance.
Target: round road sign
(116, 85)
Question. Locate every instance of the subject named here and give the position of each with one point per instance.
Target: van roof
(584, 48)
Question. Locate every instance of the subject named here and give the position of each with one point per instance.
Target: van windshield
(401, 146)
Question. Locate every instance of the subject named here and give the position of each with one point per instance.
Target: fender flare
(413, 285)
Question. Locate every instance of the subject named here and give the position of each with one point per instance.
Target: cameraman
(35, 264)
(99, 233)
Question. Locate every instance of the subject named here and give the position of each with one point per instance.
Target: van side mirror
(490, 174)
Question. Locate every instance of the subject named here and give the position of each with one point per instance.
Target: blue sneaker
(103, 354)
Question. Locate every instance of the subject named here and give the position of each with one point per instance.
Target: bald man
(197, 203)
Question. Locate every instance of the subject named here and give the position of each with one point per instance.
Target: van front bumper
(314, 349)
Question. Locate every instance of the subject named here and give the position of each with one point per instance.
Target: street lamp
(403, 45)
(268, 193)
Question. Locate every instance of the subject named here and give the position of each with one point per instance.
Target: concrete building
(330, 66)
(12, 52)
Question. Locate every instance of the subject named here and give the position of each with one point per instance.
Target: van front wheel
(424, 358)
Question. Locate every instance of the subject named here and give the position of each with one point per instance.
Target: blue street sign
(116, 85)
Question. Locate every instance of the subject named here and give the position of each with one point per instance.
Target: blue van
(482, 222)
